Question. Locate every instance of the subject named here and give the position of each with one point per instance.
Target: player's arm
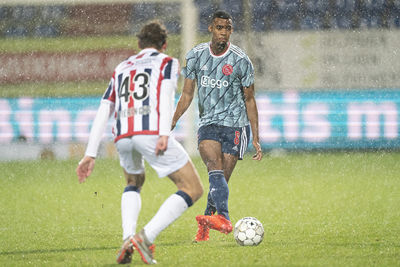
(252, 114)
(86, 165)
(167, 101)
(184, 101)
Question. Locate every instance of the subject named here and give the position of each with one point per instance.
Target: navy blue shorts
(233, 140)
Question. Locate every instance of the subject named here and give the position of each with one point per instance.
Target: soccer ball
(248, 232)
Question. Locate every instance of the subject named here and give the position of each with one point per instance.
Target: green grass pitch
(329, 209)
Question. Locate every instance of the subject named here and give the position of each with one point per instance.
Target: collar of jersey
(212, 54)
(147, 50)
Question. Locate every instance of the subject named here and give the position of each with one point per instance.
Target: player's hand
(257, 147)
(85, 168)
(162, 145)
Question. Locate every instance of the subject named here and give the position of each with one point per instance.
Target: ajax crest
(227, 69)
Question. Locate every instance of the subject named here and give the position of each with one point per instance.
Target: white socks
(170, 210)
(130, 208)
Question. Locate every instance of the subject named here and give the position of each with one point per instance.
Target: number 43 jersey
(142, 90)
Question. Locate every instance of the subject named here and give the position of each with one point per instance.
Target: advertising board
(366, 119)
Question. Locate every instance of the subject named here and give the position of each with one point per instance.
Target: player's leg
(209, 144)
(130, 208)
(133, 166)
(210, 152)
(131, 203)
(189, 191)
(213, 161)
(194, 188)
(233, 143)
(187, 180)
(229, 163)
(176, 164)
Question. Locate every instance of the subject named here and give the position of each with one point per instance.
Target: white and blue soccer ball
(248, 231)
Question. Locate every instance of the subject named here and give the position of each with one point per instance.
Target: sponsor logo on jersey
(206, 81)
(130, 112)
(227, 69)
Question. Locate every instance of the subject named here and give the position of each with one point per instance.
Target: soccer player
(225, 82)
(141, 97)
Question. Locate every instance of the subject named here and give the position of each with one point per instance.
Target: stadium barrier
(364, 119)
(60, 66)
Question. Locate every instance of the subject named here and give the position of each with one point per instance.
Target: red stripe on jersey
(140, 56)
(160, 79)
(131, 102)
(112, 95)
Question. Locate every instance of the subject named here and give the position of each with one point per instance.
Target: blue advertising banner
(330, 119)
(46, 120)
(362, 119)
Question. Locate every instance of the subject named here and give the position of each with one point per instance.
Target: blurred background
(327, 71)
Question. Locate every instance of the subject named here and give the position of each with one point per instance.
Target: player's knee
(188, 180)
(197, 186)
(194, 189)
(135, 179)
(212, 165)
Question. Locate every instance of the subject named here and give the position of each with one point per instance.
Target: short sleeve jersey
(135, 89)
(220, 81)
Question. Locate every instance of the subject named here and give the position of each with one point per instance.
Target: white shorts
(134, 149)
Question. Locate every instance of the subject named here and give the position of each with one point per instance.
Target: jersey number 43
(138, 87)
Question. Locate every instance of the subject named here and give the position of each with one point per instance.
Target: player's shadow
(40, 251)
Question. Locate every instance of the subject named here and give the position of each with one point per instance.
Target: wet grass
(328, 209)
